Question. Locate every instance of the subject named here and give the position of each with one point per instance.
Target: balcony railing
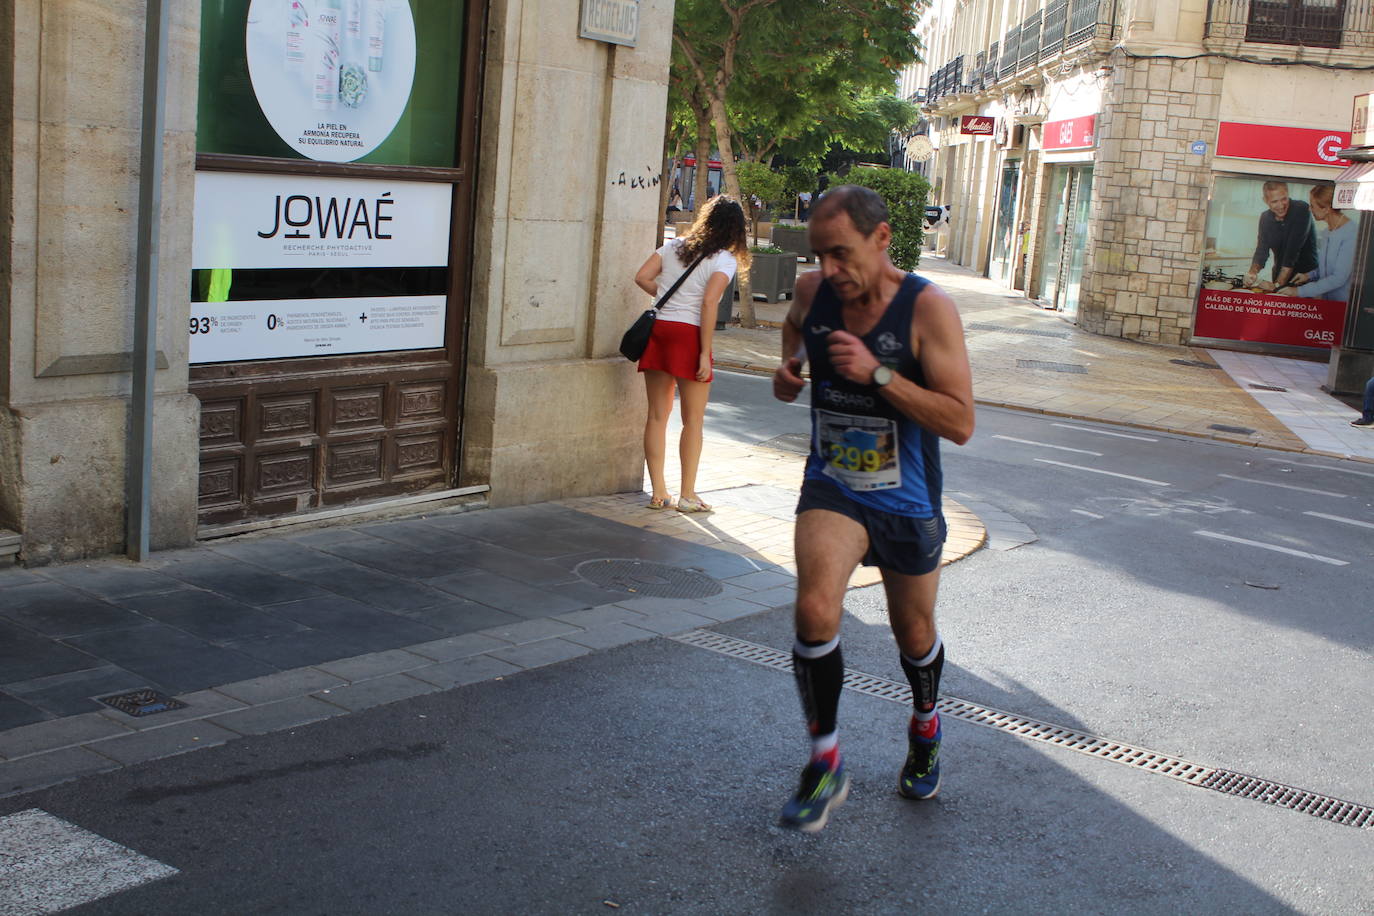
(1011, 53)
(1045, 34)
(1030, 40)
(1052, 33)
(1307, 23)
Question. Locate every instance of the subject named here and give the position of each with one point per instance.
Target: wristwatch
(882, 376)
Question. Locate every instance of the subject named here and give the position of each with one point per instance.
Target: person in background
(679, 353)
(1335, 255)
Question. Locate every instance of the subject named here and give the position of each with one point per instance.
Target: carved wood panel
(273, 446)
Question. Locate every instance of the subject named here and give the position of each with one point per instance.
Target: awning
(1355, 187)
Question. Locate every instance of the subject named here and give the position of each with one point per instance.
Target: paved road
(1201, 600)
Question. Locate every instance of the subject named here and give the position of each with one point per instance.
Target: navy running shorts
(902, 543)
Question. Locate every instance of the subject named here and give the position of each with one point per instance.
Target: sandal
(660, 502)
(687, 504)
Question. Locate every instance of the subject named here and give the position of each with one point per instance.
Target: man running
(890, 378)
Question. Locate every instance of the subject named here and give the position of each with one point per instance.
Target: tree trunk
(730, 178)
(701, 173)
(665, 185)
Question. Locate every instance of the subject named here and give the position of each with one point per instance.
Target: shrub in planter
(905, 195)
(793, 239)
(772, 272)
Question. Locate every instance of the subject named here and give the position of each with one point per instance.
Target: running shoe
(821, 790)
(921, 772)
(1362, 423)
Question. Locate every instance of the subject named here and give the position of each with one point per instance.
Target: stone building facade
(1109, 157)
(512, 148)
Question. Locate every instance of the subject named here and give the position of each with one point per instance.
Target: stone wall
(69, 179)
(1149, 198)
(567, 210)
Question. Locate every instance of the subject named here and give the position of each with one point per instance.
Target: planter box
(793, 239)
(725, 312)
(773, 276)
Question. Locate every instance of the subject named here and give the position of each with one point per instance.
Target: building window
(1314, 23)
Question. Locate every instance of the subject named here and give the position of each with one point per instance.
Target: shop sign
(614, 21)
(1281, 144)
(275, 221)
(331, 78)
(1277, 265)
(1355, 187)
(231, 331)
(1262, 318)
(1070, 133)
(977, 125)
(260, 220)
(1361, 130)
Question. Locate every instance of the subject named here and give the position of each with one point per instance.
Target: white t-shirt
(685, 306)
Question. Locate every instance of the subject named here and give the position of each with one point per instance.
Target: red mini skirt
(674, 348)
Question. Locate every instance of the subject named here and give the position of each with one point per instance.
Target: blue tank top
(859, 441)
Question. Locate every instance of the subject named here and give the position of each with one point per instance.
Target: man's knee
(817, 616)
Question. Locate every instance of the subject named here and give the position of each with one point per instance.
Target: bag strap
(672, 289)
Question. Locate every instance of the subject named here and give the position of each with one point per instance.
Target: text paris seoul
(329, 217)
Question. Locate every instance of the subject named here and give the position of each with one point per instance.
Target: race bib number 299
(860, 452)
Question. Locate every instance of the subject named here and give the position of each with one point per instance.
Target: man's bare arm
(787, 379)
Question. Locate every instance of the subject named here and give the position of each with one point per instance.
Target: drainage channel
(1217, 779)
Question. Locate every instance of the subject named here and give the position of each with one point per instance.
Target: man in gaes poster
(1286, 232)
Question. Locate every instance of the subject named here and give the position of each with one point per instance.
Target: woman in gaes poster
(1335, 254)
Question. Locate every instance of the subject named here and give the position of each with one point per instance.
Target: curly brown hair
(720, 226)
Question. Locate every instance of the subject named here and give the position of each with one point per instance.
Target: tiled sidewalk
(261, 633)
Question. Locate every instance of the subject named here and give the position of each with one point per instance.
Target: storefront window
(373, 81)
(1277, 263)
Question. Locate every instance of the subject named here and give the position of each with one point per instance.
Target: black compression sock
(819, 668)
(924, 675)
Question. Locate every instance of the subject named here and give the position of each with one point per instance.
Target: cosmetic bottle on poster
(325, 34)
(297, 35)
(376, 34)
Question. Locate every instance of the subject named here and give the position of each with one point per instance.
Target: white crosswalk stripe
(48, 865)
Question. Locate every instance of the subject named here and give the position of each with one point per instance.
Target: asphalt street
(1202, 600)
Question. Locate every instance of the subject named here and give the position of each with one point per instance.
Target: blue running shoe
(821, 790)
(921, 772)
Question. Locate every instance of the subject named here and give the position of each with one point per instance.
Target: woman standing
(679, 352)
(1336, 253)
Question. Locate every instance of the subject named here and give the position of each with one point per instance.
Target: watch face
(881, 376)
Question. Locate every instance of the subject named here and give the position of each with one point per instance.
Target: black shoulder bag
(636, 339)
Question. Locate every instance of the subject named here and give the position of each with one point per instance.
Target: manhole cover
(1052, 367)
(1034, 332)
(1195, 363)
(1242, 430)
(1259, 387)
(650, 580)
(142, 702)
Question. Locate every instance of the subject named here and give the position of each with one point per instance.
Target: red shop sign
(981, 125)
(1281, 144)
(1225, 314)
(1070, 133)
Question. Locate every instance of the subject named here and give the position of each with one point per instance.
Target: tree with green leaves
(765, 63)
(905, 196)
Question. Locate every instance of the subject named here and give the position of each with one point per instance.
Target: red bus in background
(684, 179)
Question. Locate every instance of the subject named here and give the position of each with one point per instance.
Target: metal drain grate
(1259, 387)
(1195, 774)
(1074, 368)
(1035, 332)
(1222, 428)
(140, 703)
(650, 580)
(1195, 363)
